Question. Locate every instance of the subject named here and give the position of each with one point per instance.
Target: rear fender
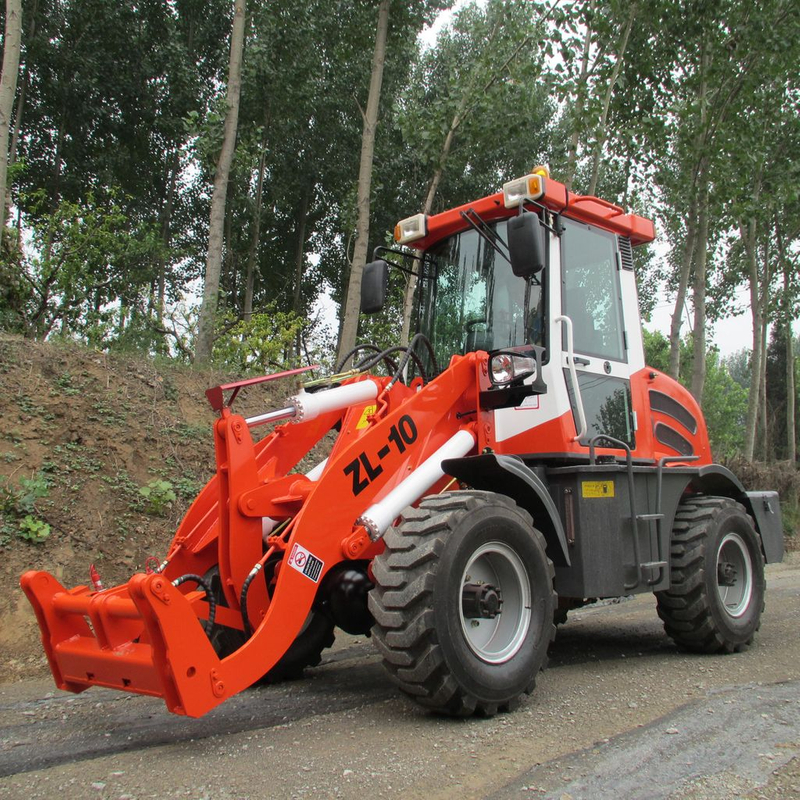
(764, 507)
(509, 476)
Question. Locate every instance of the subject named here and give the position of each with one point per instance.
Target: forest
(204, 180)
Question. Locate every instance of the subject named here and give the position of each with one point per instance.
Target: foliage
(158, 496)
(19, 510)
(33, 529)
(260, 343)
(80, 259)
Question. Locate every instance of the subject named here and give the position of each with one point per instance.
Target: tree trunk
(748, 233)
(352, 303)
(299, 260)
(208, 310)
(166, 220)
(300, 249)
(683, 283)
(766, 434)
(8, 90)
(786, 268)
(20, 110)
(602, 128)
(699, 298)
(580, 99)
(250, 275)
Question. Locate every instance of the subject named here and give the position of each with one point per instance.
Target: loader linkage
(147, 636)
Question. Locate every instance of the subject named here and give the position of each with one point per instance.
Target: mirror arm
(557, 229)
(424, 258)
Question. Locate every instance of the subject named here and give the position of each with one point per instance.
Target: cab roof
(558, 199)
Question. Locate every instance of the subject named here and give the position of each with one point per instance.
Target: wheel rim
(734, 575)
(496, 567)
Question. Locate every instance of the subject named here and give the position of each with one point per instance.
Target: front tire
(463, 603)
(716, 595)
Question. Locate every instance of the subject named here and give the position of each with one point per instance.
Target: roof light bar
(531, 187)
(411, 229)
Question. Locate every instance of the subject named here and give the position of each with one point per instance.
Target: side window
(590, 291)
(607, 405)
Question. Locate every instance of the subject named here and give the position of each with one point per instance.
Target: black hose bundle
(383, 355)
(212, 602)
(409, 353)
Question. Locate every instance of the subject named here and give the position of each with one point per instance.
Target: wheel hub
(495, 602)
(480, 601)
(734, 575)
(726, 574)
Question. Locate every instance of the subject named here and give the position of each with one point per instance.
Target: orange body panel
(557, 436)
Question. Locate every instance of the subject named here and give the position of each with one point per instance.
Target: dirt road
(620, 713)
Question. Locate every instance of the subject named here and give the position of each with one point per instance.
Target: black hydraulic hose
(367, 364)
(353, 351)
(212, 602)
(420, 337)
(373, 358)
(371, 361)
(248, 629)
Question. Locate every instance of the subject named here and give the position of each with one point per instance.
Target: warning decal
(597, 488)
(367, 412)
(305, 562)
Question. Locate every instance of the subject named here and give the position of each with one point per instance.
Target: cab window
(590, 291)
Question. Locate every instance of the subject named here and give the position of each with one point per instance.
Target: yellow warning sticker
(597, 488)
(367, 412)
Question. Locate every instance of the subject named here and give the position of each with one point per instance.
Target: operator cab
(542, 280)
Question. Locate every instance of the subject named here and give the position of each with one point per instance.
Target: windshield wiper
(486, 232)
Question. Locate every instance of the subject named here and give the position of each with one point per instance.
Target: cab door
(592, 290)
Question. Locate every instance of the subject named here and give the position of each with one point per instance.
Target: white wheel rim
(735, 588)
(498, 639)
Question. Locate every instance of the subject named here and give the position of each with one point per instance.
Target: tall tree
(208, 310)
(347, 338)
(8, 88)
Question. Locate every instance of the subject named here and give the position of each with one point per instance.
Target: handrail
(574, 376)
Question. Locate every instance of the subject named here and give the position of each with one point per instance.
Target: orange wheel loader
(518, 460)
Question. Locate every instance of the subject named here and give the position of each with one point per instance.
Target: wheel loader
(518, 459)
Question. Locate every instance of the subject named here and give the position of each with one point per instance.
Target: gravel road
(620, 713)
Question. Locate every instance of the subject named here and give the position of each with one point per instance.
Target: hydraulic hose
(353, 351)
(420, 337)
(368, 364)
(212, 602)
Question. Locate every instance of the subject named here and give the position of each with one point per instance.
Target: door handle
(583, 362)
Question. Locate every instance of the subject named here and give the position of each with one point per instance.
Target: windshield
(473, 301)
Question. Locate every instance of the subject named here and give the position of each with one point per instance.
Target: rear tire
(463, 603)
(306, 650)
(717, 585)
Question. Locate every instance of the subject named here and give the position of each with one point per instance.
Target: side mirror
(526, 245)
(374, 286)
